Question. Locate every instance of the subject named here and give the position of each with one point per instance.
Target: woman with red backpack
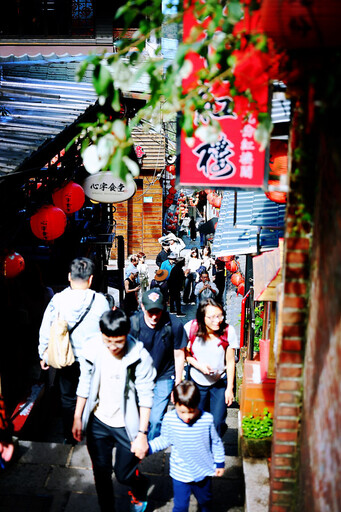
(211, 359)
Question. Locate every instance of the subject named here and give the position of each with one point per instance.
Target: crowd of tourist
(130, 364)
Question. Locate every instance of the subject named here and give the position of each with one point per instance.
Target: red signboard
(235, 159)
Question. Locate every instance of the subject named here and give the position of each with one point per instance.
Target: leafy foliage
(259, 314)
(237, 58)
(258, 427)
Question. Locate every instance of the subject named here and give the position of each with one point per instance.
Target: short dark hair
(114, 323)
(186, 393)
(196, 251)
(110, 299)
(201, 313)
(81, 269)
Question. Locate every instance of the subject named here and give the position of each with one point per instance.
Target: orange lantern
(232, 266)
(276, 197)
(14, 263)
(48, 223)
(70, 198)
(241, 289)
(237, 279)
(278, 161)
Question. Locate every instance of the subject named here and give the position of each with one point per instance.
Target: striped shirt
(196, 448)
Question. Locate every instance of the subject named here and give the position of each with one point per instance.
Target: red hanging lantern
(172, 191)
(278, 161)
(170, 168)
(237, 278)
(232, 266)
(225, 258)
(70, 198)
(216, 201)
(276, 197)
(241, 289)
(14, 263)
(48, 223)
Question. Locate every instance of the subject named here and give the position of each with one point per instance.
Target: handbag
(59, 351)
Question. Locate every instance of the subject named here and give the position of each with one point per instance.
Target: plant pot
(257, 448)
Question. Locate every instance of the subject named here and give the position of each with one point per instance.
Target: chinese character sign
(235, 159)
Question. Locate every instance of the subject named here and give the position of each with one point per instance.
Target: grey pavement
(53, 477)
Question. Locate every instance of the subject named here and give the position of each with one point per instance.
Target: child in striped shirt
(197, 450)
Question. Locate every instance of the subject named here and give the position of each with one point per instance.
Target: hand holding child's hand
(219, 472)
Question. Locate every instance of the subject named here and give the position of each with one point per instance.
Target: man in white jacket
(71, 304)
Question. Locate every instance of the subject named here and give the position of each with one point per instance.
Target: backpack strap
(224, 339)
(83, 315)
(193, 329)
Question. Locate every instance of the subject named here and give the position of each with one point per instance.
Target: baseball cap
(153, 299)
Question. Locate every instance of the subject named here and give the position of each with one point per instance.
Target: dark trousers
(174, 301)
(101, 440)
(68, 382)
(189, 287)
(212, 399)
(202, 491)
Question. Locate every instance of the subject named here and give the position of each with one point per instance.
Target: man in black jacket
(163, 254)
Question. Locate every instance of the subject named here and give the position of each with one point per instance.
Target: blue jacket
(140, 375)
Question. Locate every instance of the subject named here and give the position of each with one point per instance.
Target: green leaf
(101, 79)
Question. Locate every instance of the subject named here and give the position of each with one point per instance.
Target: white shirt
(212, 354)
(110, 391)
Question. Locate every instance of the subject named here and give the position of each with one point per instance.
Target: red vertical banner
(235, 159)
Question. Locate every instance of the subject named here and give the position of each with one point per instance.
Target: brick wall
(138, 222)
(320, 475)
(290, 359)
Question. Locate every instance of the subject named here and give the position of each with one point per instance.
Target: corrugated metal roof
(255, 214)
(37, 111)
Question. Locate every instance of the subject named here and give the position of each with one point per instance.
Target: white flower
(208, 133)
(91, 161)
(132, 166)
(119, 129)
(105, 147)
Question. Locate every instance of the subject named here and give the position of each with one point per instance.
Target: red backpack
(193, 332)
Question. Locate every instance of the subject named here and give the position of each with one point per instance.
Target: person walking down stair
(72, 304)
(175, 284)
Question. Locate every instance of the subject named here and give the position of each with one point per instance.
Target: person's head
(81, 273)
(194, 252)
(211, 318)
(219, 264)
(111, 300)
(141, 256)
(134, 259)
(166, 246)
(206, 250)
(115, 326)
(133, 275)
(172, 258)
(205, 277)
(186, 399)
(161, 274)
(152, 307)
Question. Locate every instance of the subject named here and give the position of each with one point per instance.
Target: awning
(35, 112)
(248, 223)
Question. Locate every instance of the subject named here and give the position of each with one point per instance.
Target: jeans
(202, 491)
(162, 391)
(189, 287)
(101, 440)
(212, 399)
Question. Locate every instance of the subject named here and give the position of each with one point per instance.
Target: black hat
(153, 299)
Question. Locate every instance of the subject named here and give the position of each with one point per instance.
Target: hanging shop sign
(235, 159)
(106, 188)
